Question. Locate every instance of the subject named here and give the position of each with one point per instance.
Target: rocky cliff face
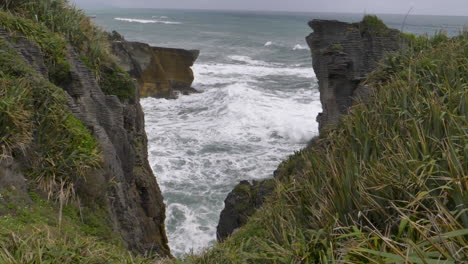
(160, 72)
(125, 184)
(343, 54)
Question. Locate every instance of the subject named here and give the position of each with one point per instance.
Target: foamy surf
(202, 144)
(300, 47)
(147, 21)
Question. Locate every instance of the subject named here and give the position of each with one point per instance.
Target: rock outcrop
(160, 72)
(125, 185)
(343, 54)
(240, 204)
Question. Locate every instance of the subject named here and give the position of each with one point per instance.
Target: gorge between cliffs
(259, 104)
(166, 131)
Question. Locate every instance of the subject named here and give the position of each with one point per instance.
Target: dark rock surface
(125, 184)
(134, 199)
(240, 204)
(343, 55)
(160, 72)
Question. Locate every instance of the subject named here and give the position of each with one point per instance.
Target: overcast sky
(436, 7)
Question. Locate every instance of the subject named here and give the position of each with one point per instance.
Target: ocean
(258, 103)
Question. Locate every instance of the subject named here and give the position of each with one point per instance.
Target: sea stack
(343, 54)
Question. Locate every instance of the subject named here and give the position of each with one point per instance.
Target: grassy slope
(388, 186)
(55, 148)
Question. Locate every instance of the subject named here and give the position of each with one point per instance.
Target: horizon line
(266, 11)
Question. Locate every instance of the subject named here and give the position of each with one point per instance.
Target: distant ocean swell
(148, 21)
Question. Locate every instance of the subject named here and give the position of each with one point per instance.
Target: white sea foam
(300, 47)
(202, 144)
(249, 60)
(268, 43)
(246, 71)
(147, 21)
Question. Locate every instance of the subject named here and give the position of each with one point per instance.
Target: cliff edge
(159, 72)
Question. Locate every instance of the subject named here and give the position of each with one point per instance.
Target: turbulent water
(258, 103)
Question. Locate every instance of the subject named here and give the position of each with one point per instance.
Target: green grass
(36, 125)
(373, 24)
(389, 185)
(54, 24)
(32, 233)
(53, 46)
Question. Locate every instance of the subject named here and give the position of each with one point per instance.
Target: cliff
(160, 72)
(70, 138)
(343, 54)
(388, 182)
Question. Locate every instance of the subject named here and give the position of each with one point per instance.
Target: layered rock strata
(159, 72)
(125, 184)
(343, 54)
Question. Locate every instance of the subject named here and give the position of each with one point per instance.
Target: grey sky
(437, 7)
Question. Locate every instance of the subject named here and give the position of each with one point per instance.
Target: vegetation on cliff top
(46, 222)
(54, 24)
(389, 185)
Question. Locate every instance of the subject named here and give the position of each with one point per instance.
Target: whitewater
(258, 102)
(201, 145)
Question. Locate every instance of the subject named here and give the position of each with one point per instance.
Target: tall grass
(55, 21)
(389, 185)
(32, 234)
(36, 126)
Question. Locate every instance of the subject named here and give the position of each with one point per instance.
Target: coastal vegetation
(388, 185)
(54, 24)
(47, 221)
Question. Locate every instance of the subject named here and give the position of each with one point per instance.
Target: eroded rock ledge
(159, 72)
(343, 55)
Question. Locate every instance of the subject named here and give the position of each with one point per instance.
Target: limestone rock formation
(343, 54)
(125, 184)
(240, 204)
(160, 72)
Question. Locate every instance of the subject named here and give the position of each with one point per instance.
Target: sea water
(258, 103)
